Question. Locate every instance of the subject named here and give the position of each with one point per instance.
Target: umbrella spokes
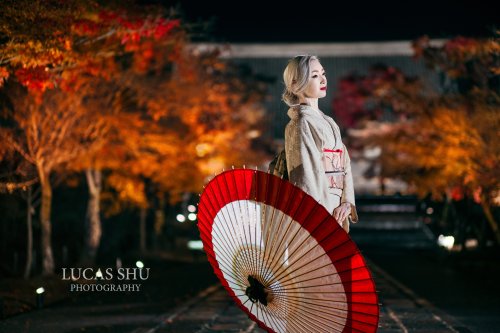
(258, 292)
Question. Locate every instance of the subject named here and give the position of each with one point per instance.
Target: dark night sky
(330, 21)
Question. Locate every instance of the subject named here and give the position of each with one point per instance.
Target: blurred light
(195, 245)
(139, 264)
(40, 290)
(118, 263)
(446, 241)
(471, 243)
(213, 165)
(191, 208)
(192, 217)
(181, 218)
(430, 210)
(203, 149)
(253, 134)
(372, 152)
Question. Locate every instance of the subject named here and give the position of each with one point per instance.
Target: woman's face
(316, 87)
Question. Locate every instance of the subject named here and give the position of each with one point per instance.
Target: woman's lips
(324, 88)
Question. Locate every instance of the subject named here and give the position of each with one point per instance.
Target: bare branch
(11, 186)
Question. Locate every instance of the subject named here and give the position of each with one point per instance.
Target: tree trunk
(443, 220)
(142, 230)
(46, 226)
(29, 233)
(94, 228)
(159, 219)
(491, 220)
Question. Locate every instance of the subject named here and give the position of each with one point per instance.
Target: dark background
(331, 21)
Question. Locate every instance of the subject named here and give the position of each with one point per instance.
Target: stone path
(401, 311)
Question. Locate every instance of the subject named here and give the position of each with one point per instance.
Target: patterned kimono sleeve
(348, 193)
(304, 158)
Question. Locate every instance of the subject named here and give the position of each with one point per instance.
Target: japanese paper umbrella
(283, 258)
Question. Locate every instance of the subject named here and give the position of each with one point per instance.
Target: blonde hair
(296, 78)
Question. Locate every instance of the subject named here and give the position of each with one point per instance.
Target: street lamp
(39, 297)
(180, 218)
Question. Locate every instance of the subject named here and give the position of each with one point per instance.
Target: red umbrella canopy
(283, 258)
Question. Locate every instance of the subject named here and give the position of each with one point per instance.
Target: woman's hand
(342, 212)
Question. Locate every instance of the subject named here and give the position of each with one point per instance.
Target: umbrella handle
(256, 291)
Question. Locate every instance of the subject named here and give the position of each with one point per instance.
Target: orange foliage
(172, 129)
(77, 38)
(168, 116)
(461, 57)
(50, 133)
(436, 153)
(4, 75)
(211, 114)
(441, 143)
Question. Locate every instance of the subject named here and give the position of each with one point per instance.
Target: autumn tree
(217, 109)
(47, 135)
(19, 176)
(50, 45)
(199, 115)
(439, 141)
(146, 110)
(108, 103)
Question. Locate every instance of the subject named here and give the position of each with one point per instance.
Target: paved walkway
(210, 310)
(213, 311)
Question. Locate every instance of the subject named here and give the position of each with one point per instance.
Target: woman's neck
(312, 102)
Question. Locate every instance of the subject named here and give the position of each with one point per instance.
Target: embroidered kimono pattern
(334, 164)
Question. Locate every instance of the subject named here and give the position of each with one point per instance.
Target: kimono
(317, 160)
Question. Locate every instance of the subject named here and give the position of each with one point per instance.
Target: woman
(317, 160)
